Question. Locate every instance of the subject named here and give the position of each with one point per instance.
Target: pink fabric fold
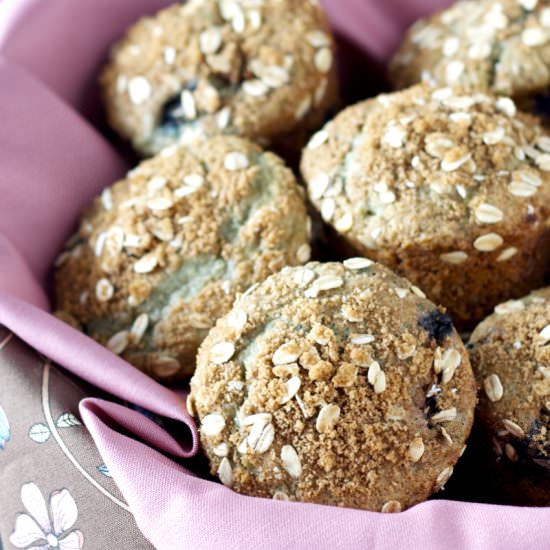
(67, 61)
(193, 513)
(141, 427)
(90, 361)
(52, 161)
(16, 278)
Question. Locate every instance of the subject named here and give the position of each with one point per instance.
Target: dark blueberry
(534, 450)
(542, 104)
(531, 218)
(172, 114)
(431, 406)
(438, 325)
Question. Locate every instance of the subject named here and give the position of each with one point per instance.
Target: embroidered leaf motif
(39, 433)
(68, 420)
(5, 434)
(103, 469)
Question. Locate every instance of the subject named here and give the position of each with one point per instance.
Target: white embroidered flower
(41, 529)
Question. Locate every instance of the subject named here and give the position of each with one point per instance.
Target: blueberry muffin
(448, 188)
(263, 70)
(162, 254)
(510, 355)
(501, 46)
(336, 384)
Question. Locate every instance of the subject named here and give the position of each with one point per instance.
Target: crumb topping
(497, 45)
(154, 265)
(402, 171)
(445, 186)
(332, 391)
(511, 360)
(256, 69)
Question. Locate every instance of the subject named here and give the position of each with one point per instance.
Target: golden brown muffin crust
(511, 359)
(450, 189)
(257, 69)
(491, 45)
(336, 384)
(171, 246)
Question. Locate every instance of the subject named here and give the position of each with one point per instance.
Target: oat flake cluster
(337, 384)
(162, 254)
(262, 69)
(510, 353)
(449, 188)
(497, 45)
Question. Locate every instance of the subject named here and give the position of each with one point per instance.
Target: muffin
(336, 384)
(163, 253)
(511, 360)
(261, 70)
(449, 189)
(501, 46)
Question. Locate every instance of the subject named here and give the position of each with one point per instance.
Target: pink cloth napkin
(51, 162)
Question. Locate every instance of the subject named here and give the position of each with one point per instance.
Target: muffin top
(337, 384)
(510, 354)
(498, 45)
(252, 68)
(171, 246)
(444, 170)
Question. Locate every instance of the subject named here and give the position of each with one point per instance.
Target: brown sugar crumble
(501, 46)
(263, 70)
(449, 188)
(511, 360)
(322, 386)
(161, 255)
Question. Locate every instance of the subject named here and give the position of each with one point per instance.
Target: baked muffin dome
(337, 384)
(162, 254)
(511, 359)
(448, 188)
(501, 46)
(262, 70)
